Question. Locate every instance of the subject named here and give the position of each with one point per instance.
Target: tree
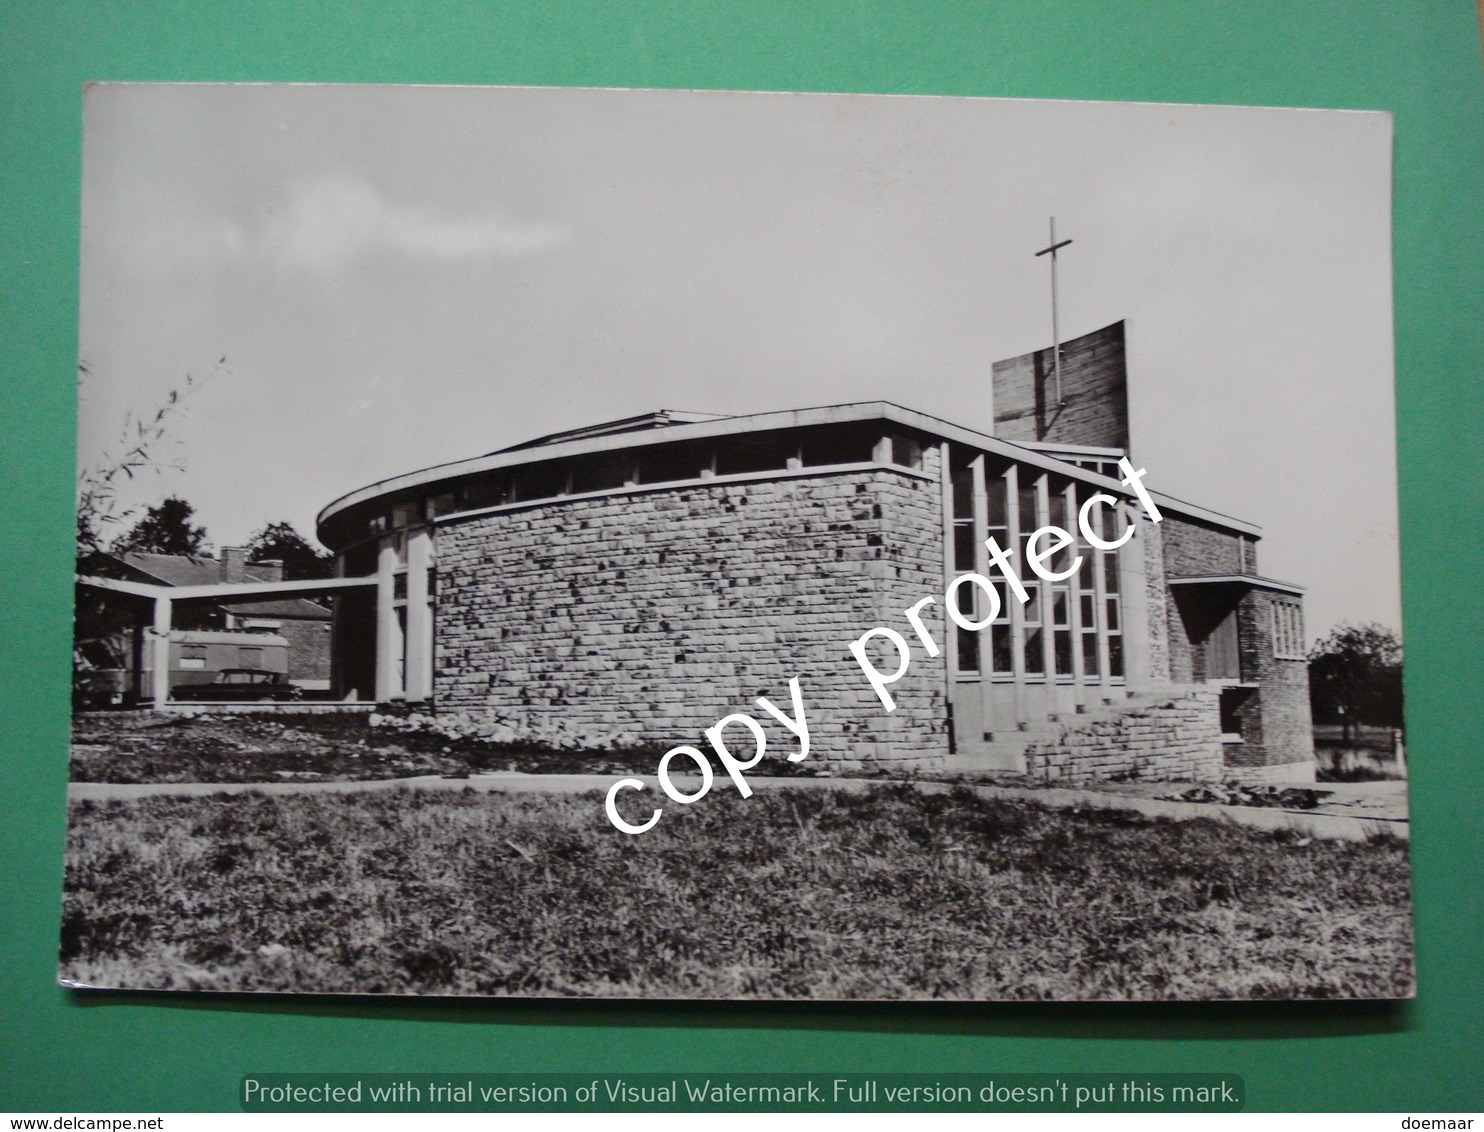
(301, 558)
(1355, 677)
(139, 450)
(165, 529)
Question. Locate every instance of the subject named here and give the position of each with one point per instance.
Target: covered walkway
(164, 599)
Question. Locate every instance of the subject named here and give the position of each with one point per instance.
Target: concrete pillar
(160, 655)
(1100, 614)
(1074, 599)
(1134, 587)
(137, 668)
(419, 616)
(983, 690)
(950, 645)
(388, 635)
(337, 621)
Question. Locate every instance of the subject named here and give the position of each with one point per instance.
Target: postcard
(678, 544)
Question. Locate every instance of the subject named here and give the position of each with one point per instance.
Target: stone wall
(1277, 727)
(1192, 548)
(1178, 739)
(641, 618)
(1151, 539)
(1274, 718)
(309, 649)
(1281, 774)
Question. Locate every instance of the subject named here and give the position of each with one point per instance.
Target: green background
(1421, 61)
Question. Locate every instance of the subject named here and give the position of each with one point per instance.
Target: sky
(403, 276)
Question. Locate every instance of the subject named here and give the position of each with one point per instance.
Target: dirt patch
(1277, 797)
(340, 746)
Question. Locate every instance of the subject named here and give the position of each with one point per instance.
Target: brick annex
(632, 582)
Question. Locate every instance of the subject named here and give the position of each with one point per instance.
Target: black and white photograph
(540, 542)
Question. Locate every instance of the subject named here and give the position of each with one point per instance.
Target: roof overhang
(764, 422)
(1088, 451)
(644, 422)
(1249, 581)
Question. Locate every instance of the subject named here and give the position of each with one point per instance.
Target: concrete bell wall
(1094, 391)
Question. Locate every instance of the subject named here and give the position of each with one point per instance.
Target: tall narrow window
(997, 527)
(1001, 640)
(1061, 592)
(1087, 606)
(1029, 518)
(968, 640)
(1057, 517)
(1030, 515)
(1061, 625)
(1288, 630)
(1035, 645)
(996, 517)
(964, 543)
(1112, 620)
(1114, 522)
(1089, 613)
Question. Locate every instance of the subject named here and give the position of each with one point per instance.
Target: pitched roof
(173, 569)
(660, 418)
(289, 609)
(186, 570)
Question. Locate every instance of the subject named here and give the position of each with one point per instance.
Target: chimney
(234, 564)
(269, 570)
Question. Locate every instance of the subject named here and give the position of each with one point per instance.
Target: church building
(630, 582)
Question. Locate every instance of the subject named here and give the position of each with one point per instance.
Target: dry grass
(817, 894)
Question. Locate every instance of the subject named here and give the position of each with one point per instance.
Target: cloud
(183, 243)
(330, 222)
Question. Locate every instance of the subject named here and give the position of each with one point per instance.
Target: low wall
(1274, 774)
(1178, 739)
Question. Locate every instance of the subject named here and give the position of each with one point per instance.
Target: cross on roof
(1051, 249)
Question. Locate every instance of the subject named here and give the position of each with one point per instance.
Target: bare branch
(140, 441)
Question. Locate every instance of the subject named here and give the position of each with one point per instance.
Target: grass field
(808, 894)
